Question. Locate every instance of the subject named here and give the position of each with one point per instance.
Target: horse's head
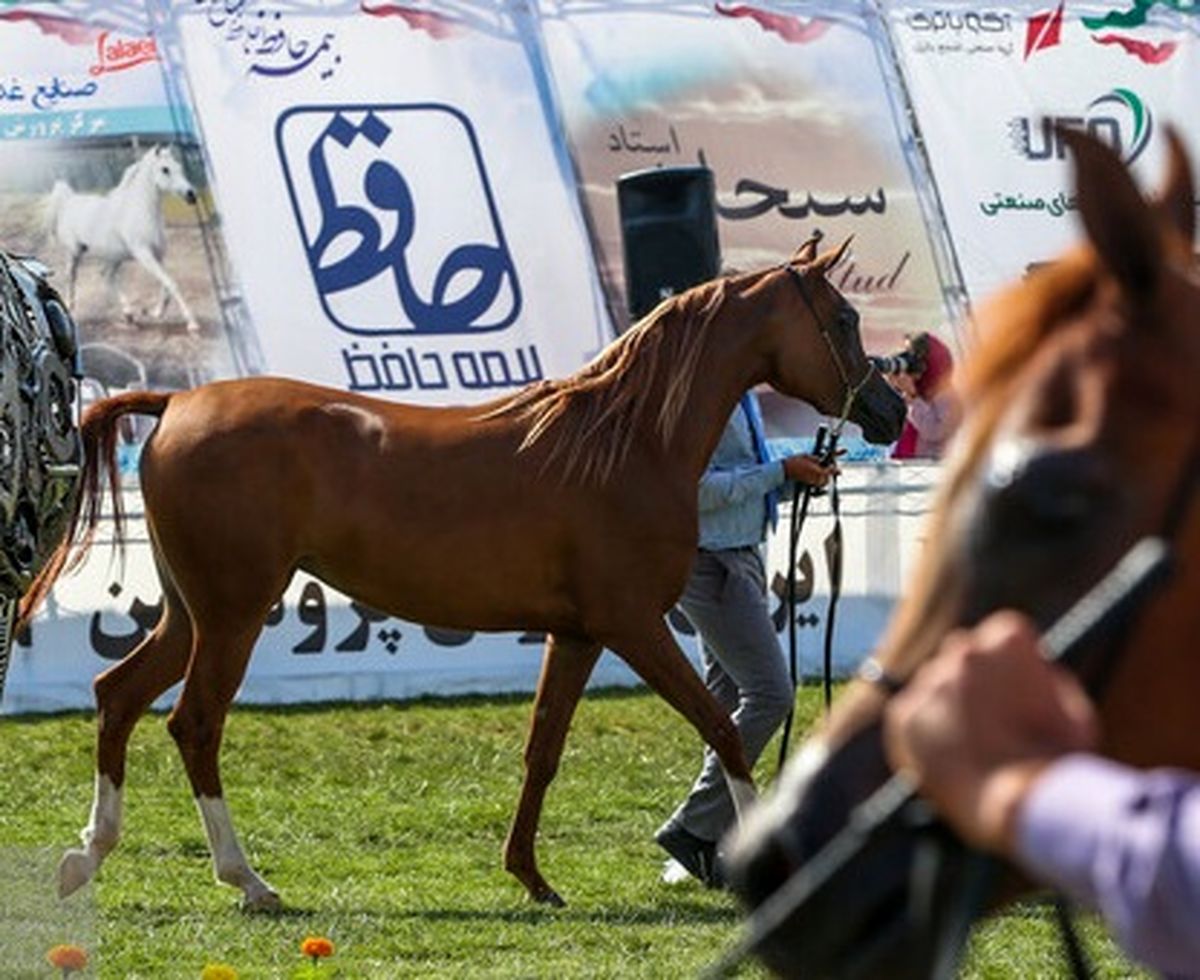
(167, 174)
(848, 386)
(1082, 436)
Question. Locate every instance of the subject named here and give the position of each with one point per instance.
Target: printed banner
(788, 109)
(399, 218)
(990, 84)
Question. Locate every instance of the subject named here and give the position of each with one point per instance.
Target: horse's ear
(828, 260)
(1177, 202)
(805, 253)
(1121, 225)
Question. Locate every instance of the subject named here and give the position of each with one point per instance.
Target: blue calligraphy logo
(398, 219)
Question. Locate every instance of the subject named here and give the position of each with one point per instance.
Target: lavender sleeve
(1126, 843)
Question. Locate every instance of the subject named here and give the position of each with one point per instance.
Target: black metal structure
(40, 449)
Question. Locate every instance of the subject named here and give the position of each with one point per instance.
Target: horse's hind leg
(112, 273)
(123, 693)
(657, 659)
(73, 274)
(219, 658)
(566, 666)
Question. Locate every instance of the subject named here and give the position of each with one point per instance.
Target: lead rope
(801, 497)
(833, 552)
(827, 454)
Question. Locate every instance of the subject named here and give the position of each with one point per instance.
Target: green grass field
(382, 826)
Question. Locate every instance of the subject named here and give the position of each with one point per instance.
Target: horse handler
(726, 602)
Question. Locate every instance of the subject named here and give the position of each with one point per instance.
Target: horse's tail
(99, 432)
(53, 205)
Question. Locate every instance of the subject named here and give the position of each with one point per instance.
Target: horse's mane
(590, 417)
(129, 172)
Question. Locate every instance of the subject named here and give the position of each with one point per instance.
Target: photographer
(923, 374)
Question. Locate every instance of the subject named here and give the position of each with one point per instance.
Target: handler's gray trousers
(726, 601)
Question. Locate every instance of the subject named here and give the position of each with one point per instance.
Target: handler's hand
(977, 725)
(808, 469)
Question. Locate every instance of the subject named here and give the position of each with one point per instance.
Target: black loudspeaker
(668, 233)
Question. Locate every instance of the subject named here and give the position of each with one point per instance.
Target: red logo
(791, 29)
(1044, 30)
(118, 54)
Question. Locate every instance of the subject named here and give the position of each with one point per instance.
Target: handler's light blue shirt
(737, 487)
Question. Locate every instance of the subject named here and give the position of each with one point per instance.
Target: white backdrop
(415, 201)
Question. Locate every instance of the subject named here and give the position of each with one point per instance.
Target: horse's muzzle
(879, 411)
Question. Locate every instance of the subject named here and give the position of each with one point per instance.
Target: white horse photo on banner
(123, 223)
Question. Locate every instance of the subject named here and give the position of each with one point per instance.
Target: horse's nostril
(190, 197)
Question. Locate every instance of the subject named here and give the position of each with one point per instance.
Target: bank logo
(1119, 118)
(398, 219)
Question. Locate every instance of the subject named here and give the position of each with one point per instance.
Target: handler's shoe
(695, 855)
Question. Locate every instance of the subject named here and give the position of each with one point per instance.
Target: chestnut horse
(581, 493)
(1082, 436)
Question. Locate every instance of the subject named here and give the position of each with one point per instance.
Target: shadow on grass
(675, 913)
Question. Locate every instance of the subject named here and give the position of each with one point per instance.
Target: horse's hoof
(74, 871)
(265, 902)
(550, 897)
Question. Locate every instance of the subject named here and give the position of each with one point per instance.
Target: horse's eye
(166, 170)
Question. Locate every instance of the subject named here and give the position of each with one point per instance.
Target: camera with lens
(912, 360)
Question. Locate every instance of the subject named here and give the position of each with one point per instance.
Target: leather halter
(852, 388)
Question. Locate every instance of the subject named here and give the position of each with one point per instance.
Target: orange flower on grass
(67, 958)
(316, 948)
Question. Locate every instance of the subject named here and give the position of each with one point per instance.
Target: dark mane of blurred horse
(1082, 436)
(569, 507)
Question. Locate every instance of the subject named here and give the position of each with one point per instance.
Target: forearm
(725, 487)
(1123, 842)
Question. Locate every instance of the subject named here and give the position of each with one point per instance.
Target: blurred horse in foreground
(1082, 438)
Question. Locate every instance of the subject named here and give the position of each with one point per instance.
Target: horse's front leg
(151, 264)
(657, 659)
(566, 666)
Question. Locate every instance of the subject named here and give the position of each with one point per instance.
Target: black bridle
(852, 388)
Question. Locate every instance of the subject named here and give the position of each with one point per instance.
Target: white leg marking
(743, 795)
(99, 837)
(229, 863)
